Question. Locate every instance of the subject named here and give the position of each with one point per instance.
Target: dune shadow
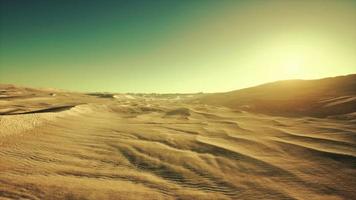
(44, 110)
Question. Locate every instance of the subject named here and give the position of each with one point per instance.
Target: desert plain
(284, 140)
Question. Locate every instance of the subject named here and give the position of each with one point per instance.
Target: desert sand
(64, 145)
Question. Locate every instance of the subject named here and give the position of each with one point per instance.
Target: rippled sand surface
(59, 145)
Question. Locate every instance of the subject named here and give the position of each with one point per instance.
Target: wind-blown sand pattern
(62, 145)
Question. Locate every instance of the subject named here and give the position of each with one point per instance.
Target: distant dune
(318, 98)
(59, 145)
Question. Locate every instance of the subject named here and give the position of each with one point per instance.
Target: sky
(170, 46)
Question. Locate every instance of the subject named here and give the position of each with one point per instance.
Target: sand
(63, 145)
(294, 98)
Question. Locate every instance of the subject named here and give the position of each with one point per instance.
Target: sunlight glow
(291, 69)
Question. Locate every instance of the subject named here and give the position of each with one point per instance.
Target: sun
(291, 68)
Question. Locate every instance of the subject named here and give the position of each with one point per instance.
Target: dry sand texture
(62, 145)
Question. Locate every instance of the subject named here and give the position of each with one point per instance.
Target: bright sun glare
(292, 69)
(291, 66)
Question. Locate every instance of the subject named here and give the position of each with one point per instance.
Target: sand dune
(317, 98)
(120, 146)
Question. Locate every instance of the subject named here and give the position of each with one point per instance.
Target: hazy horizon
(152, 92)
(173, 46)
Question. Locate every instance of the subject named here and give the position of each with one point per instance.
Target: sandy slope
(101, 146)
(315, 98)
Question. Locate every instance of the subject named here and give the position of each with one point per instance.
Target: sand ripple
(161, 149)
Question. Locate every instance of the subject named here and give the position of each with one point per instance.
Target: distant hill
(317, 98)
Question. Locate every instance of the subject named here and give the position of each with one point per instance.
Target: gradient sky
(173, 46)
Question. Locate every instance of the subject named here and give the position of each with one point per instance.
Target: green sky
(173, 46)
